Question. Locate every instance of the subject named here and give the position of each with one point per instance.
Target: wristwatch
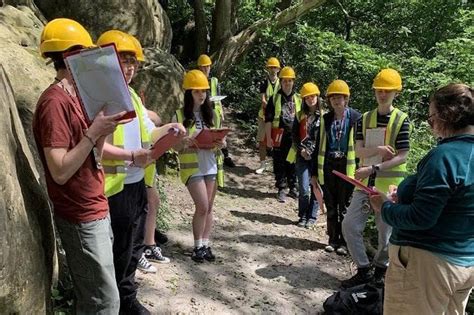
(375, 168)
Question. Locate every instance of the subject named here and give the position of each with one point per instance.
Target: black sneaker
(198, 254)
(228, 162)
(379, 276)
(293, 193)
(160, 238)
(301, 222)
(281, 196)
(134, 307)
(363, 275)
(153, 253)
(208, 255)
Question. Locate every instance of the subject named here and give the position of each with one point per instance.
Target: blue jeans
(307, 203)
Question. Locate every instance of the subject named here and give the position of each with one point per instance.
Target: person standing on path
(280, 114)
(336, 152)
(305, 137)
(204, 64)
(431, 250)
(70, 150)
(200, 169)
(395, 126)
(268, 88)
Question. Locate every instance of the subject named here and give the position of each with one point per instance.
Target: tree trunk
(236, 46)
(283, 5)
(221, 23)
(199, 27)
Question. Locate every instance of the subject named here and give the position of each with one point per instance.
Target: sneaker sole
(159, 261)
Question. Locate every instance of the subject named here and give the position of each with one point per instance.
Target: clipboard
(217, 98)
(99, 81)
(164, 143)
(356, 183)
(205, 138)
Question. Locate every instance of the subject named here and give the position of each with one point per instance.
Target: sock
(198, 243)
(205, 242)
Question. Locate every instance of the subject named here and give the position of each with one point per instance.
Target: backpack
(364, 299)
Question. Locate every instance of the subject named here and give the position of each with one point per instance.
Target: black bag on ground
(364, 299)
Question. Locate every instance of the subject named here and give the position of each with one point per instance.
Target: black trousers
(128, 215)
(285, 173)
(337, 194)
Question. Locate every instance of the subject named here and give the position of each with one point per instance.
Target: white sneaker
(262, 168)
(145, 266)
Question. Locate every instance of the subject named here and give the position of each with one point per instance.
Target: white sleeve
(149, 124)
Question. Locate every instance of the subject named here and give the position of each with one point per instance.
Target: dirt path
(266, 264)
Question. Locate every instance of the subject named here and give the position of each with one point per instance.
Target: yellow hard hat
(123, 42)
(138, 47)
(195, 80)
(273, 62)
(287, 73)
(204, 60)
(308, 89)
(61, 34)
(388, 79)
(338, 87)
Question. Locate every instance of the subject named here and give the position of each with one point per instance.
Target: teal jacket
(436, 205)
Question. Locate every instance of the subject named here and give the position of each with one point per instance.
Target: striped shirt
(402, 143)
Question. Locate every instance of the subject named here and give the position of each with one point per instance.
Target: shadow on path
(283, 241)
(262, 217)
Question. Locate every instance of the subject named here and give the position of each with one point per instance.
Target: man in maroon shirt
(70, 151)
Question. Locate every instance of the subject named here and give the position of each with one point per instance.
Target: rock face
(144, 18)
(160, 83)
(26, 234)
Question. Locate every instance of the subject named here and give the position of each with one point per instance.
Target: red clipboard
(165, 143)
(129, 114)
(206, 138)
(303, 132)
(356, 183)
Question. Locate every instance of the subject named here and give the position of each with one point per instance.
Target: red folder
(165, 143)
(206, 138)
(277, 135)
(303, 131)
(356, 183)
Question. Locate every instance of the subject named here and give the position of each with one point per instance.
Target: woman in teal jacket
(431, 268)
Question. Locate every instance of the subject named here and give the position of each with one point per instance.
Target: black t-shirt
(264, 85)
(288, 110)
(402, 142)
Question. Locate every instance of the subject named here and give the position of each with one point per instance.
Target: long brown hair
(207, 113)
(454, 104)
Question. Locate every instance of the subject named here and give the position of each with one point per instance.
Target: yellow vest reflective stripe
(277, 103)
(268, 94)
(351, 157)
(217, 105)
(115, 169)
(188, 158)
(394, 175)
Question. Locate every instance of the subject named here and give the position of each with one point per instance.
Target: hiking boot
(228, 162)
(293, 193)
(262, 168)
(329, 248)
(145, 266)
(281, 196)
(342, 251)
(198, 254)
(379, 277)
(302, 222)
(208, 255)
(363, 275)
(310, 223)
(160, 238)
(135, 308)
(153, 253)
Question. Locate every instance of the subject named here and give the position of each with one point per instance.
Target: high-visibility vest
(277, 103)
(351, 157)
(115, 169)
(394, 175)
(291, 157)
(214, 90)
(271, 90)
(188, 158)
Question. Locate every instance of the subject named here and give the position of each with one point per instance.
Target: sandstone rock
(146, 18)
(26, 234)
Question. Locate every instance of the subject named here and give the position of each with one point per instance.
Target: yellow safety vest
(394, 175)
(351, 157)
(188, 158)
(115, 169)
(268, 94)
(277, 103)
(217, 105)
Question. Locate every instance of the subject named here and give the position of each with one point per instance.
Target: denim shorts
(207, 178)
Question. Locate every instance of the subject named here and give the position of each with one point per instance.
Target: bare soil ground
(265, 265)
